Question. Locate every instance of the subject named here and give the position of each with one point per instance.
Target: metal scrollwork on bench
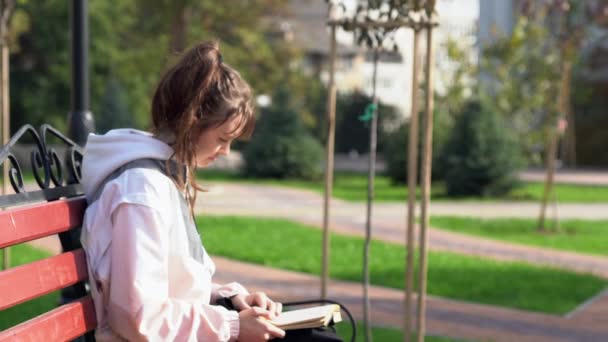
(55, 177)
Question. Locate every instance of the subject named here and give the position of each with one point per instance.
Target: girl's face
(216, 141)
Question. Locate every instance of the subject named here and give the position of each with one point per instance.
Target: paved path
(389, 221)
(456, 319)
(268, 200)
(569, 176)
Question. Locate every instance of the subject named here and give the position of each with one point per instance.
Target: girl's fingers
(274, 331)
(279, 308)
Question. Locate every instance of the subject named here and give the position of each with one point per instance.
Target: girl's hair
(200, 92)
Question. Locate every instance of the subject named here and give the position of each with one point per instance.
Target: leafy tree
(562, 24)
(245, 38)
(522, 72)
(129, 44)
(40, 78)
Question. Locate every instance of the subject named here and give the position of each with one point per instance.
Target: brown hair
(200, 92)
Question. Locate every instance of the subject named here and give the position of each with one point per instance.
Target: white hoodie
(144, 282)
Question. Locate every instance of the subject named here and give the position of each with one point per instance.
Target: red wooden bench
(56, 210)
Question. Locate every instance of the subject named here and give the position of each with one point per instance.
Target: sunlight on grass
(383, 334)
(582, 236)
(292, 246)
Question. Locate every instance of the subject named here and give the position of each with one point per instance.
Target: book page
(321, 314)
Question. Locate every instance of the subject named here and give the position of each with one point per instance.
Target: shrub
(352, 133)
(396, 148)
(481, 155)
(281, 146)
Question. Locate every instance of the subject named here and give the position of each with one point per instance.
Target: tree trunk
(550, 171)
(427, 155)
(570, 137)
(412, 182)
(554, 133)
(329, 161)
(373, 133)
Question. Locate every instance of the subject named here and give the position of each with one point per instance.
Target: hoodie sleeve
(226, 290)
(139, 307)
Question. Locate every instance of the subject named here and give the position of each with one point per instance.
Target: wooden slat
(29, 223)
(22, 283)
(61, 324)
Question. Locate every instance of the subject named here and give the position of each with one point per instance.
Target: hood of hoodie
(105, 153)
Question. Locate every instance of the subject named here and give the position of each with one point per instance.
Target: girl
(150, 277)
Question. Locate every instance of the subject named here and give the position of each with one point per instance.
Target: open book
(312, 317)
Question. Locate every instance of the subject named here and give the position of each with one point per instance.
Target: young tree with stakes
(374, 25)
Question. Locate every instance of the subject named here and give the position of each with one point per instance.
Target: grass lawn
(382, 334)
(583, 236)
(292, 246)
(353, 187)
(22, 254)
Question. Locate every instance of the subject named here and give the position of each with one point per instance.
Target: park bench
(57, 208)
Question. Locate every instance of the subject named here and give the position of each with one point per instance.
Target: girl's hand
(254, 327)
(259, 299)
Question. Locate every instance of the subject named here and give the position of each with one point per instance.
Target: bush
(396, 148)
(481, 156)
(281, 146)
(352, 133)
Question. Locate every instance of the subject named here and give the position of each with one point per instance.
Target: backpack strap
(194, 239)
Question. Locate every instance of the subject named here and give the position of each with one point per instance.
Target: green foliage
(281, 146)
(460, 83)
(522, 74)
(480, 157)
(129, 44)
(115, 109)
(352, 133)
(40, 62)
(396, 150)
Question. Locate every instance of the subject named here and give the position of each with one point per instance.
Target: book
(313, 317)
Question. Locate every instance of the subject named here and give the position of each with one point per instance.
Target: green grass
(22, 254)
(353, 187)
(583, 236)
(288, 245)
(382, 334)
(566, 193)
(347, 185)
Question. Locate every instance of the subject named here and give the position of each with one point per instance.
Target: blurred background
(508, 50)
(516, 83)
